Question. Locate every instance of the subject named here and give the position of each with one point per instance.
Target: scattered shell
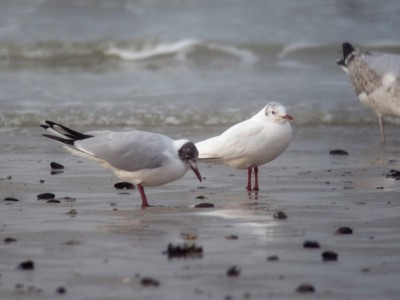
(204, 205)
(185, 250)
(393, 174)
(9, 240)
(46, 196)
(61, 290)
(26, 265)
(273, 258)
(233, 271)
(344, 230)
(11, 199)
(124, 186)
(338, 152)
(56, 166)
(310, 244)
(305, 288)
(147, 281)
(280, 215)
(329, 256)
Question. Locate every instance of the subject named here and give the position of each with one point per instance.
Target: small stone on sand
(46, 196)
(344, 230)
(26, 265)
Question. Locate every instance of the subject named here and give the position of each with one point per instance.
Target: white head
(276, 112)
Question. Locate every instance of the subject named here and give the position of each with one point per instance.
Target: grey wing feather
(129, 151)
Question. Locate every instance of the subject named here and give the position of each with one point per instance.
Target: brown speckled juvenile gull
(139, 157)
(375, 78)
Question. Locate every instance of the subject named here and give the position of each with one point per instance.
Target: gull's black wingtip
(46, 124)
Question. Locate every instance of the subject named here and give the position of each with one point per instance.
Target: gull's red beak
(287, 117)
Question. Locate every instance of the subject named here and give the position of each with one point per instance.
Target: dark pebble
(124, 186)
(184, 250)
(53, 201)
(393, 174)
(311, 244)
(56, 166)
(200, 197)
(305, 288)
(41, 181)
(11, 199)
(329, 256)
(232, 237)
(273, 258)
(61, 290)
(233, 272)
(9, 240)
(338, 152)
(46, 196)
(27, 265)
(344, 230)
(147, 281)
(9, 177)
(204, 205)
(280, 215)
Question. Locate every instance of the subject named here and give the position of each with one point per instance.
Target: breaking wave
(181, 50)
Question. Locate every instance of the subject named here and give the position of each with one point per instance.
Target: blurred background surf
(154, 63)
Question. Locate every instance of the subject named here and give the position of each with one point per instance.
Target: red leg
(248, 188)
(256, 179)
(143, 195)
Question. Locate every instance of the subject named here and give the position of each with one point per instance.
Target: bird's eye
(187, 157)
(273, 112)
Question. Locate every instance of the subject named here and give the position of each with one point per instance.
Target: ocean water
(155, 63)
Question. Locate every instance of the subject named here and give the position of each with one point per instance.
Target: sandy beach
(113, 249)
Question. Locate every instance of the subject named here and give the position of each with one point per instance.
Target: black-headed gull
(139, 157)
(251, 143)
(375, 78)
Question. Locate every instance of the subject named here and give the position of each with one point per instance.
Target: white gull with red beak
(251, 143)
(139, 157)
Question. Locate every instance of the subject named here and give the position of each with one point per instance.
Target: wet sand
(110, 245)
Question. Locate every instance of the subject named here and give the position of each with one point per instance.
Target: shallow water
(184, 63)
